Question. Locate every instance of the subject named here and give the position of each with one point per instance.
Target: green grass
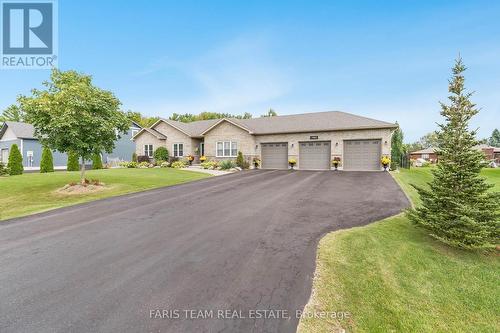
(34, 192)
(391, 277)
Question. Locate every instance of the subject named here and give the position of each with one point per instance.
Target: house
(428, 154)
(22, 134)
(312, 139)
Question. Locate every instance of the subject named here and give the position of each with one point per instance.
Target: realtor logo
(29, 34)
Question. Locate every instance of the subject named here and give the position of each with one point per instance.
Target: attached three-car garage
(362, 155)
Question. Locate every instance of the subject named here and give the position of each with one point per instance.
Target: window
(425, 156)
(178, 149)
(227, 149)
(29, 155)
(148, 150)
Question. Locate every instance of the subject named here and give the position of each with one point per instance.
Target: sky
(388, 60)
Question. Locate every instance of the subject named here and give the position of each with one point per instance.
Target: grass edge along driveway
(391, 277)
(31, 193)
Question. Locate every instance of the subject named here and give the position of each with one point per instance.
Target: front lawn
(34, 192)
(391, 277)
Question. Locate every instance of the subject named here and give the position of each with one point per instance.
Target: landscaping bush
(173, 159)
(15, 164)
(210, 165)
(227, 164)
(161, 154)
(129, 165)
(164, 164)
(145, 165)
(134, 157)
(47, 162)
(143, 158)
(73, 163)
(241, 162)
(179, 164)
(96, 162)
(3, 169)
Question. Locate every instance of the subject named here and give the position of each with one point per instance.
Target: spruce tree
(73, 164)
(47, 162)
(15, 164)
(397, 148)
(96, 162)
(457, 208)
(495, 138)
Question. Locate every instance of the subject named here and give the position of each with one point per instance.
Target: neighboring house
(312, 139)
(428, 154)
(22, 134)
(496, 154)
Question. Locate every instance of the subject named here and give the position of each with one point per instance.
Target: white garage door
(361, 155)
(274, 155)
(314, 155)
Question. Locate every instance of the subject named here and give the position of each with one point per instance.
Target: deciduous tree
(71, 114)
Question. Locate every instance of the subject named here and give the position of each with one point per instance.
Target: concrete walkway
(198, 168)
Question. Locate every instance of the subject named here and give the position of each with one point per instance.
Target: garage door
(314, 155)
(274, 155)
(361, 155)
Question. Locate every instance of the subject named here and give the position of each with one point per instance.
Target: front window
(425, 156)
(227, 149)
(178, 149)
(148, 150)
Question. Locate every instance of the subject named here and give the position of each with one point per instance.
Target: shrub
(3, 169)
(96, 162)
(129, 165)
(164, 164)
(210, 165)
(240, 161)
(73, 163)
(226, 164)
(161, 154)
(143, 158)
(173, 159)
(145, 165)
(178, 164)
(47, 162)
(134, 157)
(15, 164)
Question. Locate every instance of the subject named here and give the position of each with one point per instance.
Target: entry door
(362, 155)
(314, 155)
(274, 155)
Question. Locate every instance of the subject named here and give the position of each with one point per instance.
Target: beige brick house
(312, 139)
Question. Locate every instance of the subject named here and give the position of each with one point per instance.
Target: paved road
(237, 242)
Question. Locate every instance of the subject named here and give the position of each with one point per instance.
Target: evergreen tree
(239, 160)
(73, 163)
(458, 209)
(397, 148)
(47, 162)
(96, 162)
(15, 164)
(495, 138)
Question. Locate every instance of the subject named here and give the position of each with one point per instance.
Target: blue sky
(386, 60)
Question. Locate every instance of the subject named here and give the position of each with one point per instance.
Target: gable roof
(20, 130)
(151, 131)
(306, 122)
(311, 122)
(429, 150)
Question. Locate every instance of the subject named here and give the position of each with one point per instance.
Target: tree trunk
(82, 172)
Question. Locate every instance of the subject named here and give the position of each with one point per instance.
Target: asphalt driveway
(241, 242)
